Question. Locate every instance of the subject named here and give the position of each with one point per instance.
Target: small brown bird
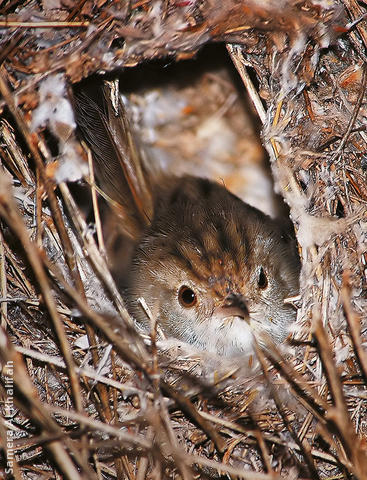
(211, 268)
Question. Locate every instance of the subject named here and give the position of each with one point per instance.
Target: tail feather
(118, 160)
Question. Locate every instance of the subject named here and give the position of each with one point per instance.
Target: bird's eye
(262, 281)
(187, 297)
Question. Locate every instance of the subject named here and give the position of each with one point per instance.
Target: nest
(84, 395)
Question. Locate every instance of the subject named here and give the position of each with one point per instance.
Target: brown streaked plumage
(211, 268)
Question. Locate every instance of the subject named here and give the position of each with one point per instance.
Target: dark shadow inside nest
(171, 81)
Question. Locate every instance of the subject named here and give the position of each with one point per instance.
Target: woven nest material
(83, 394)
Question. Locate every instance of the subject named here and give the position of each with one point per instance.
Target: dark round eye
(187, 297)
(262, 281)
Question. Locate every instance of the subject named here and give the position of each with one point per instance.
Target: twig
(354, 324)
(98, 262)
(305, 393)
(339, 414)
(236, 55)
(15, 24)
(143, 464)
(237, 472)
(269, 438)
(3, 282)
(124, 388)
(9, 211)
(36, 412)
(10, 214)
(303, 445)
(13, 154)
(354, 116)
(186, 406)
(113, 335)
(308, 105)
(356, 11)
(137, 440)
(97, 217)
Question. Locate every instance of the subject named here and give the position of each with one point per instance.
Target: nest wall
(83, 396)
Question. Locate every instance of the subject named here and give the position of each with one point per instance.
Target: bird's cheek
(201, 313)
(157, 302)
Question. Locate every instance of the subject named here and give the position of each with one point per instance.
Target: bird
(213, 270)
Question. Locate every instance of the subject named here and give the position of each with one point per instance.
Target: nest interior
(84, 395)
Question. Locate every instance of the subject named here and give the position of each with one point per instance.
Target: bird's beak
(235, 305)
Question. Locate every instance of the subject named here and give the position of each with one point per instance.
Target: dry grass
(73, 407)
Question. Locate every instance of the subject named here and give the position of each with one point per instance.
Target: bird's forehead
(222, 287)
(222, 270)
